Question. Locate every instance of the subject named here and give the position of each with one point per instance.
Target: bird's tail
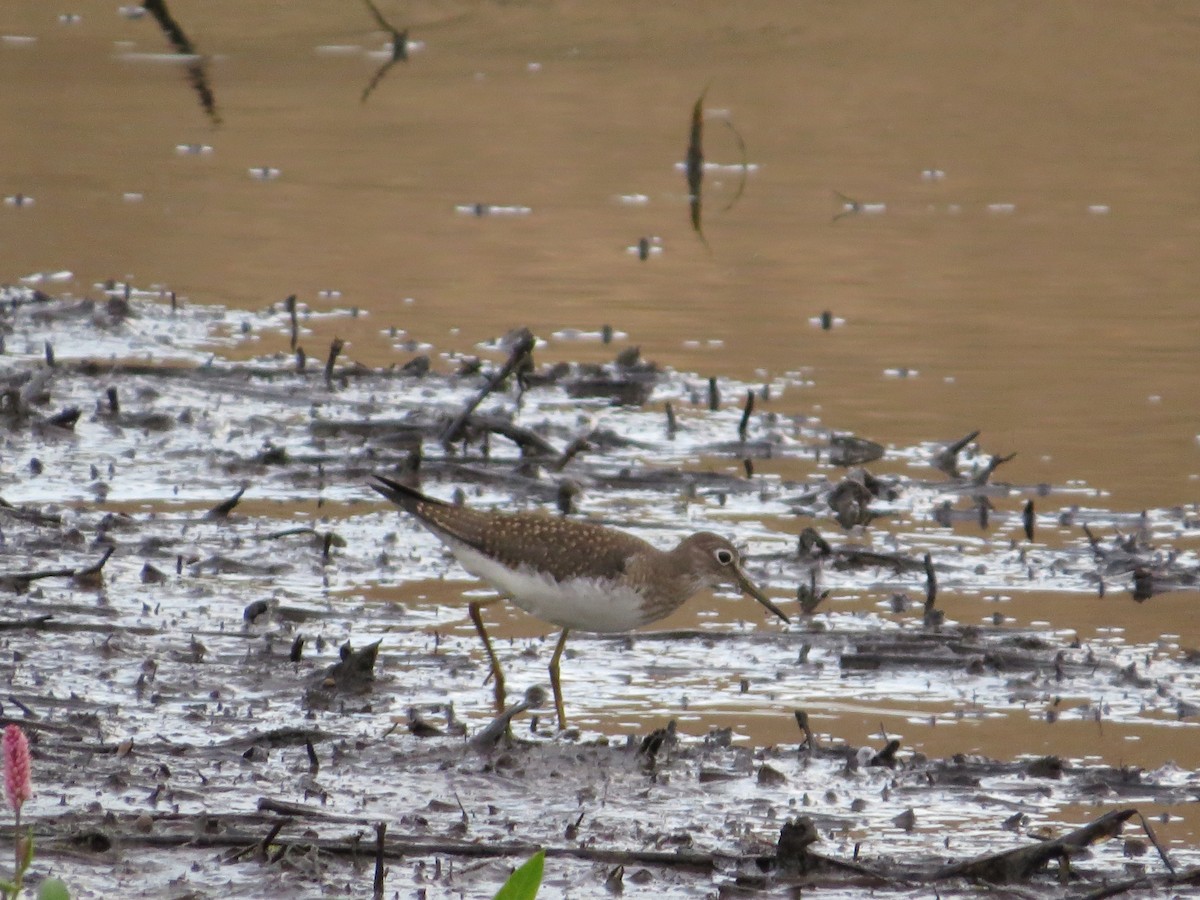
(402, 495)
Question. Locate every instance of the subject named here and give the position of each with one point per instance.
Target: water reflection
(399, 49)
(197, 68)
(695, 166)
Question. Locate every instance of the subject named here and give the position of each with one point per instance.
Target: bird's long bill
(749, 587)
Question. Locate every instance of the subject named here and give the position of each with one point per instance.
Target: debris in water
(399, 46)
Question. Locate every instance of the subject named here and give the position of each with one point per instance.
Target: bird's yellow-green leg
(497, 674)
(554, 681)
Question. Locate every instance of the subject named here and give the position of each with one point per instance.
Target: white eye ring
(723, 556)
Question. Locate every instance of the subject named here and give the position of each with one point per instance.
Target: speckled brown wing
(562, 548)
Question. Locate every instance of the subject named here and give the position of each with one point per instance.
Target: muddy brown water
(1031, 275)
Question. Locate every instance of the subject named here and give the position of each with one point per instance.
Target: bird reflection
(197, 74)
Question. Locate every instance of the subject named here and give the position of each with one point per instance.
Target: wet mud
(243, 673)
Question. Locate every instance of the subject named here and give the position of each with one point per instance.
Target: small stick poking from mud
(574, 448)
(886, 757)
(672, 425)
(32, 715)
(380, 871)
(335, 347)
(93, 571)
(265, 844)
(1162, 853)
(946, 459)
(981, 477)
(810, 741)
(714, 395)
(746, 414)
(290, 305)
(521, 355)
(931, 584)
(535, 698)
(225, 507)
(19, 581)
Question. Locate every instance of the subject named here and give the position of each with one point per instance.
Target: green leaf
(53, 889)
(523, 884)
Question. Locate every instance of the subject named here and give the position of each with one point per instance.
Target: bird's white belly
(584, 604)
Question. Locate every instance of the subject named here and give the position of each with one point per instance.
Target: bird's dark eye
(723, 556)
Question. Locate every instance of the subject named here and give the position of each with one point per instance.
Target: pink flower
(18, 784)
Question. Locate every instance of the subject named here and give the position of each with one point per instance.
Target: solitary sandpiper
(577, 575)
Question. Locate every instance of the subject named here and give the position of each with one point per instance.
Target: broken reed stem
(522, 354)
(746, 413)
(290, 305)
(265, 844)
(380, 872)
(931, 585)
(335, 347)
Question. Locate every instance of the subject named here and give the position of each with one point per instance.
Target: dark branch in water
(1024, 862)
(225, 507)
(20, 581)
